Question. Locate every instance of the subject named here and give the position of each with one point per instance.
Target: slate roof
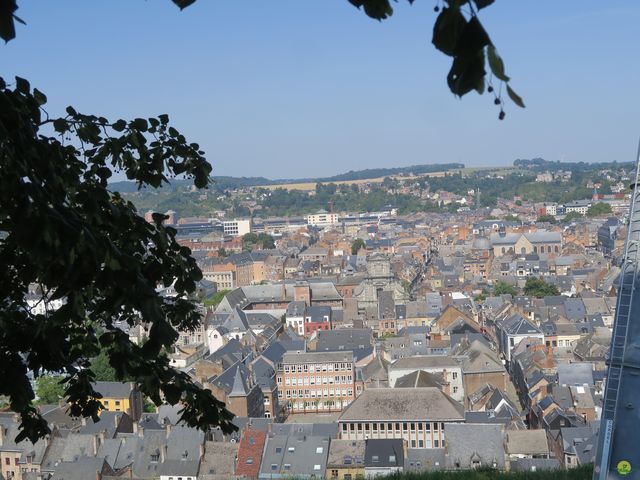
(384, 453)
(295, 455)
(113, 389)
(344, 339)
(467, 443)
(418, 379)
(382, 404)
(527, 442)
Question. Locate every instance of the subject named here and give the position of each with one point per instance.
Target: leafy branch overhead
(67, 236)
(457, 32)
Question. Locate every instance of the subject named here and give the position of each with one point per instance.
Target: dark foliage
(64, 231)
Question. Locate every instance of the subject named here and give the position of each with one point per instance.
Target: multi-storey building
(236, 227)
(316, 381)
(415, 415)
(222, 274)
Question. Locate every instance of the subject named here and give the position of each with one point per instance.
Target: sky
(302, 88)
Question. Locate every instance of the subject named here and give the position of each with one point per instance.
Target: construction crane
(618, 454)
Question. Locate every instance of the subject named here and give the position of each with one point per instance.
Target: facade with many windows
(417, 416)
(316, 381)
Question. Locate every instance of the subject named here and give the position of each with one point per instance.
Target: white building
(449, 367)
(322, 218)
(237, 228)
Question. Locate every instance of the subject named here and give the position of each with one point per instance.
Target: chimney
(168, 428)
(140, 431)
(163, 452)
(98, 475)
(95, 444)
(135, 427)
(201, 451)
(1, 435)
(130, 472)
(116, 420)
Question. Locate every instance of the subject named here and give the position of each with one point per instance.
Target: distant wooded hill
(227, 182)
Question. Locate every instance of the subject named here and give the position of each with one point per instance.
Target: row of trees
(534, 287)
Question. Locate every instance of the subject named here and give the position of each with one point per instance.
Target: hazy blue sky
(306, 88)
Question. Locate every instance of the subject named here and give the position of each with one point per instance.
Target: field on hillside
(306, 186)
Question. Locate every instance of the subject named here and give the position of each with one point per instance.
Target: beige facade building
(316, 381)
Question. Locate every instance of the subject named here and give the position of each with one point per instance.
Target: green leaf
(467, 73)
(22, 85)
(140, 124)
(496, 64)
(447, 31)
(182, 4)
(376, 9)
(515, 97)
(119, 126)
(40, 97)
(60, 125)
(7, 27)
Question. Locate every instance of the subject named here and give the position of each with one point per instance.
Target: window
(413, 427)
(420, 443)
(454, 375)
(436, 443)
(404, 427)
(455, 389)
(274, 466)
(375, 458)
(344, 427)
(413, 444)
(316, 467)
(319, 450)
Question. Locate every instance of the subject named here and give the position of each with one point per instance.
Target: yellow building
(120, 397)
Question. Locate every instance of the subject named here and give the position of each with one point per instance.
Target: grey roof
(182, 455)
(80, 469)
(301, 456)
(577, 373)
(317, 357)
(382, 404)
(420, 378)
(468, 443)
(296, 308)
(346, 453)
(426, 361)
(311, 429)
(344, 339)
(384, 453)
(113, 389)
(425, 459)
(527, 442)
(235, 380)
(218, 462)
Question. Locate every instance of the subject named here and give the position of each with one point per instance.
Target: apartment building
(222, 274)
(236, 227)
(316, 381)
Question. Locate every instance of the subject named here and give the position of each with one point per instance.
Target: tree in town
(216, 298)
(537, 287)
(65, 231)
(357, 244)
(503, 288)
(49, 389)
(546, 218)
(598, 209)
(571, 216)
(102, 369)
